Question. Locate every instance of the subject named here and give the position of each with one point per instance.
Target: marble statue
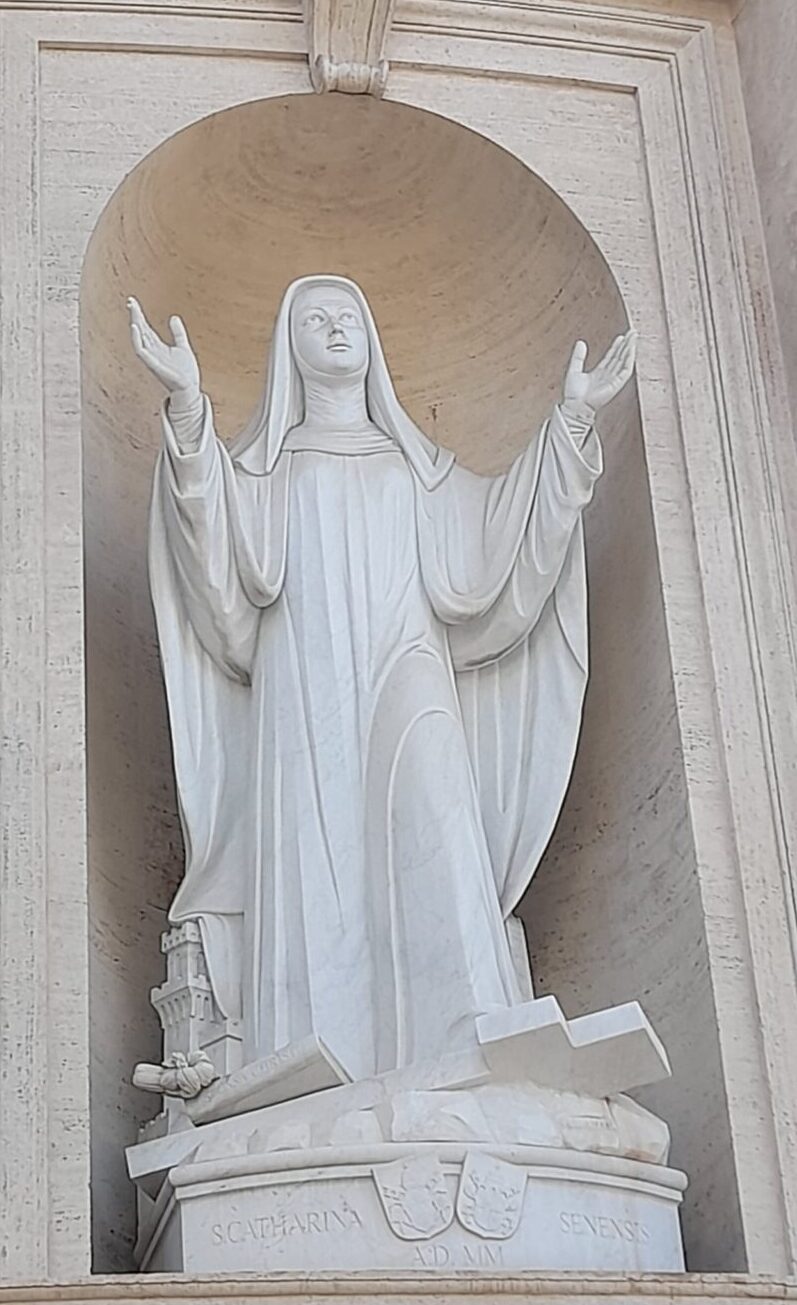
(375, 663)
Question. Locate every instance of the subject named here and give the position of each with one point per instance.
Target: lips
(340, 346)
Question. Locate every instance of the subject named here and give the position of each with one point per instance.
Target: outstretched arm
(175, 365)
(542, 498)
(585, 393)
(193, 550)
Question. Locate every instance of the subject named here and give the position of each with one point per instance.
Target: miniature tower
(189, 1016)
(190, 1019)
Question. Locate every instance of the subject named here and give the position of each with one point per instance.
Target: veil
(259, 444)
(520, 675)
(526, 704)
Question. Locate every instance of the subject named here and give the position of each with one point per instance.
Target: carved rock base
(441, 1206)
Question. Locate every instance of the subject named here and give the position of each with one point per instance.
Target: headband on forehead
(281, 405)
(327, 283)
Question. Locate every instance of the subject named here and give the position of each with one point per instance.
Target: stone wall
(766, 37)
(632, 115)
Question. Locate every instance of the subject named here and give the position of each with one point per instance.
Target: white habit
(375, 664)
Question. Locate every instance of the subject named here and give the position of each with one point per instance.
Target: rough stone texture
(409, 1289)
(766, 38)
(695, 520)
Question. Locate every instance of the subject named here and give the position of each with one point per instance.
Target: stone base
(407, 1287)
(459, 1164)
(438, 1206)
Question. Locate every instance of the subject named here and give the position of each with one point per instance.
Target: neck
(337, 404)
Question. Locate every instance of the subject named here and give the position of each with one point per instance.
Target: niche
(481, 279)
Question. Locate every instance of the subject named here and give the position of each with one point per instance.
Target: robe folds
(375, 686)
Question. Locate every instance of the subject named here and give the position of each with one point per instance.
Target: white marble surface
(608, 1051)
(457, 1098)
(375, 664)
(343, 612)
(295, 1071)
(433, 1208)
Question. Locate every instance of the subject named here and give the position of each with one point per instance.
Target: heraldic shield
(415, 1197)
(490, 1196)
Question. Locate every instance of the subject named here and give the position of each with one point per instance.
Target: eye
(348, 316)
(314, 319)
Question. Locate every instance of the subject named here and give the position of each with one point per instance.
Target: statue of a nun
(375, 664)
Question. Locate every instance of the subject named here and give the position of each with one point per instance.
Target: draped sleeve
(197, 493)
(216, 560)
(504, 567)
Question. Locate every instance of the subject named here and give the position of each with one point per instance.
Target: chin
(343, 365)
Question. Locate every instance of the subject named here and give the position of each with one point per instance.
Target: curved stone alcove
(480, 278)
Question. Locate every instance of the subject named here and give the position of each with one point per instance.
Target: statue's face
(329, 333)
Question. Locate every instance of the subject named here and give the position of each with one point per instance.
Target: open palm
(606, 380)
(175, 365)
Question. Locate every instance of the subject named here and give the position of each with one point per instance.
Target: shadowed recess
(480, 278)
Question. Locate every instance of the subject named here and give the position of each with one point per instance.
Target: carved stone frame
(724, 485)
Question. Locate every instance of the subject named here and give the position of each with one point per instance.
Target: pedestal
(454, 1165)
(391, 1207)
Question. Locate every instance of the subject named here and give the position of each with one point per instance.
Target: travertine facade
(669, 876)
(766, 39)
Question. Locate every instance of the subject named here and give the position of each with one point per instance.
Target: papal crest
(490, 1196)
(415, 1197)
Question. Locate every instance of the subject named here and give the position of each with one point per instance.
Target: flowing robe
(375, 692)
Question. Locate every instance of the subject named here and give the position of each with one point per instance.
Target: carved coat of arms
(490, 1196)
(415, 1197)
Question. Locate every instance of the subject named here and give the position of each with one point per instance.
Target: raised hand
(175, 365)
(605, 381)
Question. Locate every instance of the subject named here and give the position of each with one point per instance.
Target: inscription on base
(274, 1227)
(440, 1256)
(600, 1225)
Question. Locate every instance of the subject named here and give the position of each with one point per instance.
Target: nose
(335, 328)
